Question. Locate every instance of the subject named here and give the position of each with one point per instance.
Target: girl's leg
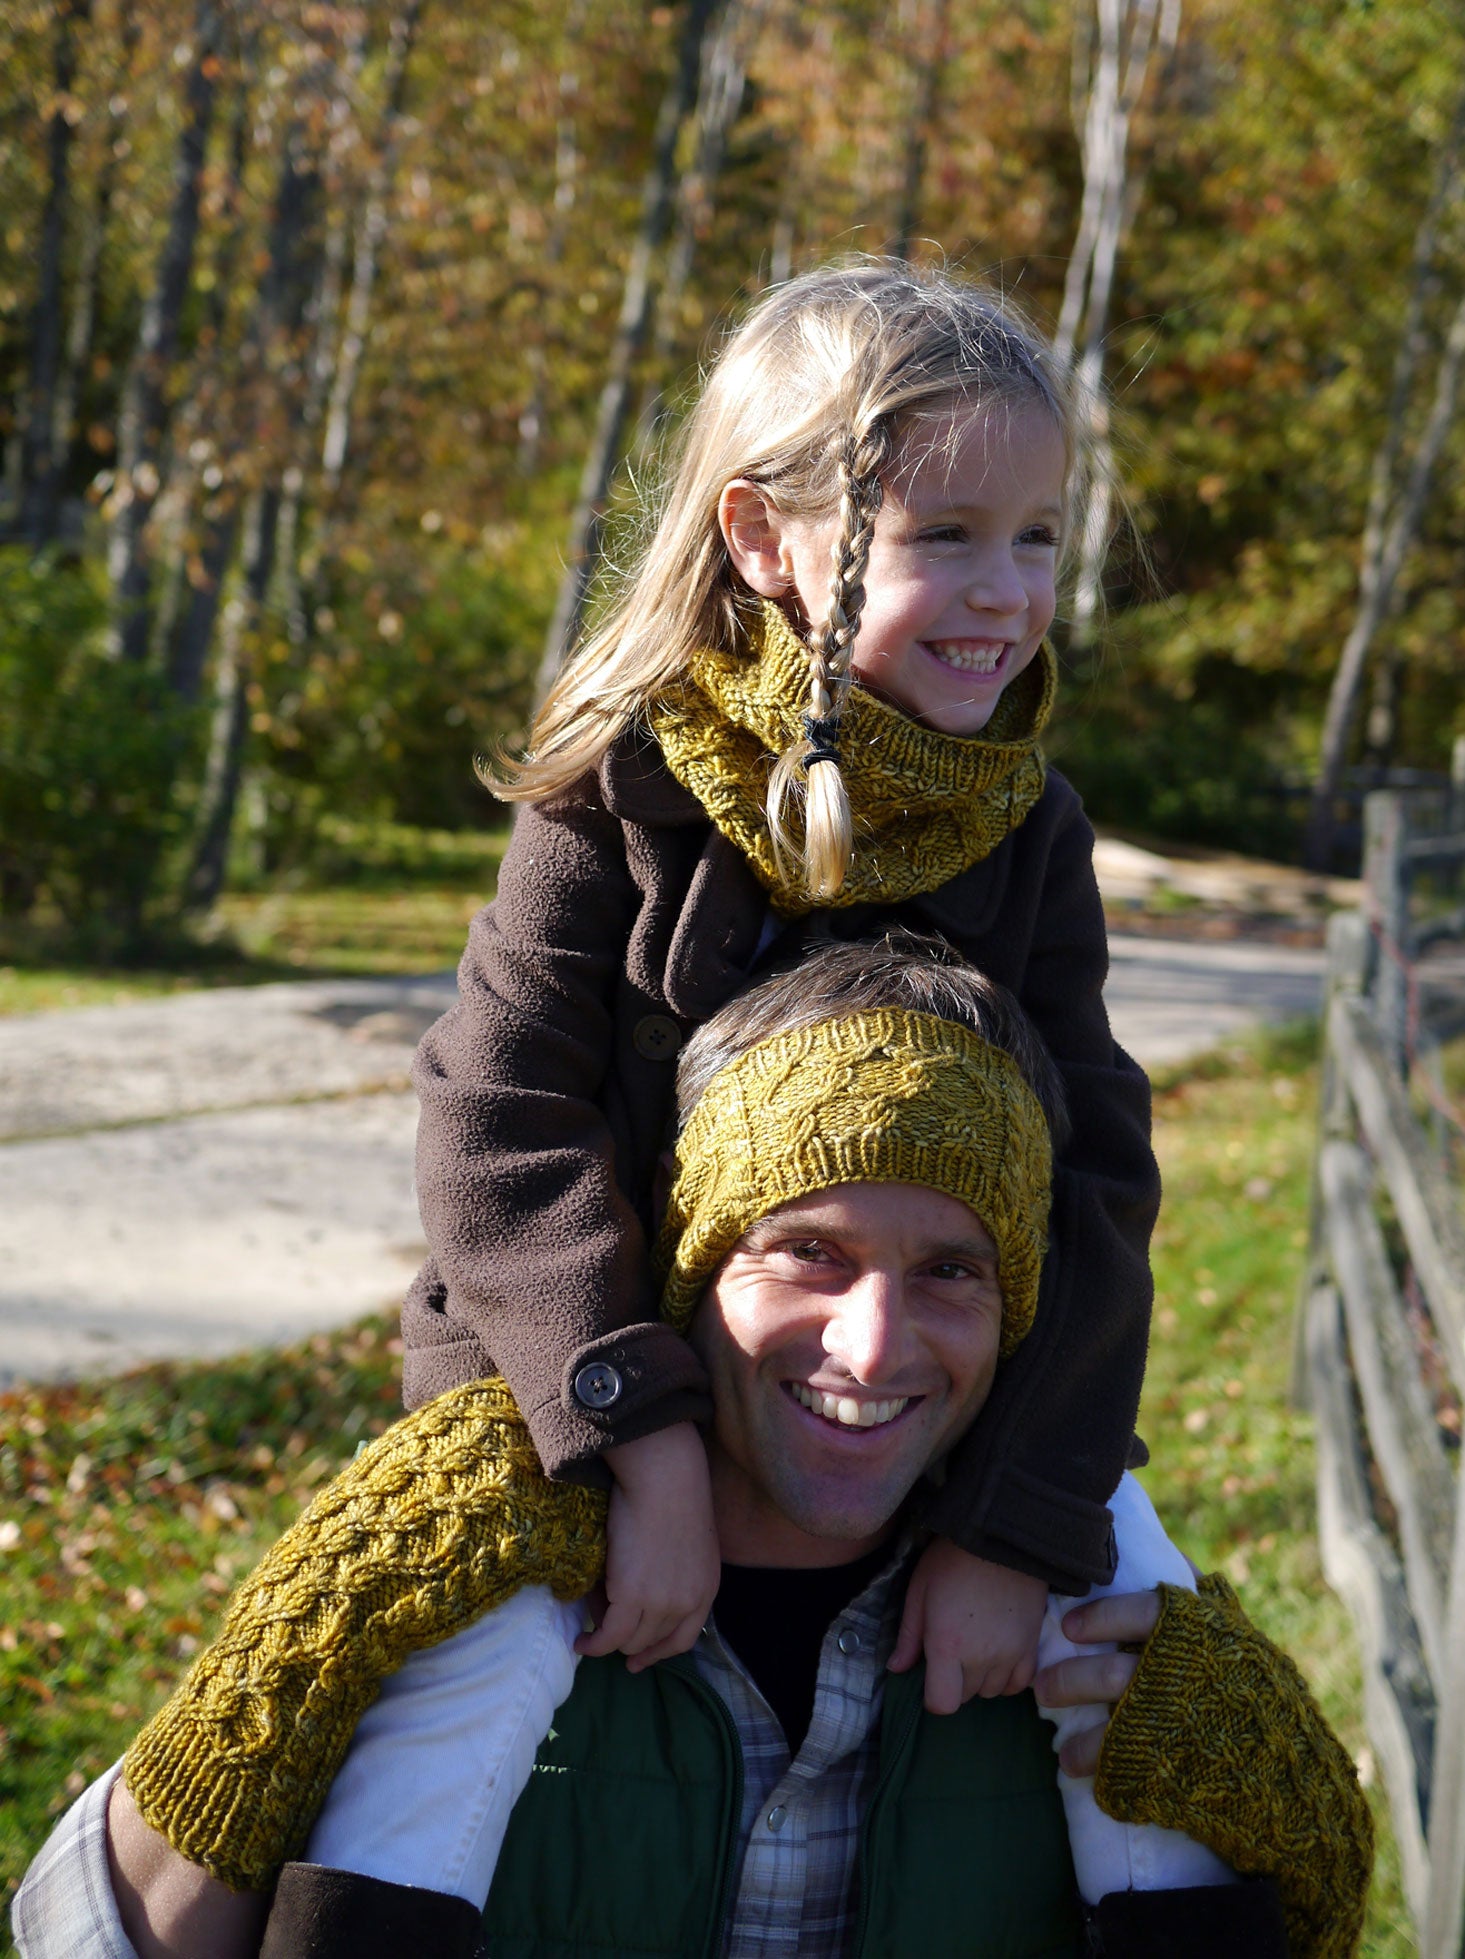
(439, 1760)
(1110, 1856)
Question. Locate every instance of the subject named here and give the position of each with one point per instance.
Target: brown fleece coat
(622, 921)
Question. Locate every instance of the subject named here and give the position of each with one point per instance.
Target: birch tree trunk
(192, 560)
(82, 322)
(324, 316)
(928, 33)
(370, 233)
(1111, 60)
(566, 174)
(224, 769)
(588, 517)
(1390, 522)
(291, 275)
(720, 93)
(1378, 582)
(144, 399)
(39, 473)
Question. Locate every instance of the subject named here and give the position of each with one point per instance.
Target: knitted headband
(885, 1096)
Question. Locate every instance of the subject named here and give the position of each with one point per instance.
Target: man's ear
(754, 532)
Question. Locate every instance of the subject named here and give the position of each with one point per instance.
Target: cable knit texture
(439, 1520)
(879, 1097)
(449, 1513)
(1218, 1736)
(926, 806)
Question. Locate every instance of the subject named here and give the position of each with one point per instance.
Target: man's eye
(808, 1251)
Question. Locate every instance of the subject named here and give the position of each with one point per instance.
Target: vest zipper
(685, 1669)
(892, 1754)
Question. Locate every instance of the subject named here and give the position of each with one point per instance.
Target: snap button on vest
(656, 1037)
(777, 1817)
(848, 1641)
(598, 1385)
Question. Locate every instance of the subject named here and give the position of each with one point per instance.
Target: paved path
(206, 1172)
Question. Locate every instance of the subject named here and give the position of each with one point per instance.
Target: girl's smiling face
(961, 582)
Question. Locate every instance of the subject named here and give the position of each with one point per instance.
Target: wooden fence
(1382, 1358)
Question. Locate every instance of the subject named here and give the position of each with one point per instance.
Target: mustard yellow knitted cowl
(926, 806)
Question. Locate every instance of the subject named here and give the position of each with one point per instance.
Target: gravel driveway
(192, 1175)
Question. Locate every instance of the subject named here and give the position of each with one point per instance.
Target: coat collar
(638, 787)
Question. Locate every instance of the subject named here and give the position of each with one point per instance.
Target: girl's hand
(977, 1623)
(662, 1565)
(1129, 1618)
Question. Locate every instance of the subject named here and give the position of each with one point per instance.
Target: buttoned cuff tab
(614, 1380)
(1033, 1527)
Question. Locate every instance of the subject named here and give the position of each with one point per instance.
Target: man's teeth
(968, 656)
(844, 1409)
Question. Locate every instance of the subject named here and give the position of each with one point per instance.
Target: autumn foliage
(307, 314)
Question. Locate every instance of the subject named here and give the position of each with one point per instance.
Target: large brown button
(656, 1037)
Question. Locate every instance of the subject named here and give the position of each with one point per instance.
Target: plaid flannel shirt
(801, 1818)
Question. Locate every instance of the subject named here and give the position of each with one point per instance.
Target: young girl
(813, 710)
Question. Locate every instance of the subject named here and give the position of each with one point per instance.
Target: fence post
(1442, 1931)
(1350, 949)
(1386, 880)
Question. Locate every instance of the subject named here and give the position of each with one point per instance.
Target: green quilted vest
(624, 1845)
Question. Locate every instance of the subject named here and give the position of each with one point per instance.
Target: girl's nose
(866, 1330)
(996, 585)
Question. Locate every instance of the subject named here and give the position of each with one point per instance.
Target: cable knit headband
(880, 1097)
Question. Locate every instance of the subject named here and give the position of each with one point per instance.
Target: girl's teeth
(844, 1409)
(965, 657)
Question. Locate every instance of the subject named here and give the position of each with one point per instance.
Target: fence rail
(1380, 1356)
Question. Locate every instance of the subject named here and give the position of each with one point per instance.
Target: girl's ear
(754, 532)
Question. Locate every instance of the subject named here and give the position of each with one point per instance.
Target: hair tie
(824, 734)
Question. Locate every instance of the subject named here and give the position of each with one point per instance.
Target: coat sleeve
(1029, 1485)
(539, 1263)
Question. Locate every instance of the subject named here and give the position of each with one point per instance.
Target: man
(855, 1232)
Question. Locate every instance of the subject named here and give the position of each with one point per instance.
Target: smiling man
(854, 1236)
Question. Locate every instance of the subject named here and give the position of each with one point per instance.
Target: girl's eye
(943, 534)
(1040, 534)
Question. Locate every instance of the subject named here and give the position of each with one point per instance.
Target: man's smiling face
(851, 1337)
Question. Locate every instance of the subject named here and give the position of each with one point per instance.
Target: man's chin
(836, 1514)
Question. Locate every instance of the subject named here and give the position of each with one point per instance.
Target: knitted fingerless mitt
(1218, 1736)
(445, 1516)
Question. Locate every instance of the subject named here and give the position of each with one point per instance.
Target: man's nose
(866, 1331)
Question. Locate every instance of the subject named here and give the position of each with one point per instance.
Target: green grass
(128, 1508)
(387, 900)
(1232, 1469)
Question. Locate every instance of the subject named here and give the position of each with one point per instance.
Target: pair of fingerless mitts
(449, 1513)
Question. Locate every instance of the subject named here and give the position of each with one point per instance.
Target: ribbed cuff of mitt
(1217, 1736)
(444, 1517)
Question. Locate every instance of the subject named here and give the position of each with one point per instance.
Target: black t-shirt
(775, 1620)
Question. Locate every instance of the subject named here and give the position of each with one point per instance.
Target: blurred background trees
(318, 322)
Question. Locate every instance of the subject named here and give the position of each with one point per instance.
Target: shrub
(90, 761)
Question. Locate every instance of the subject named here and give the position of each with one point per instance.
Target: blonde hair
(808, 400)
